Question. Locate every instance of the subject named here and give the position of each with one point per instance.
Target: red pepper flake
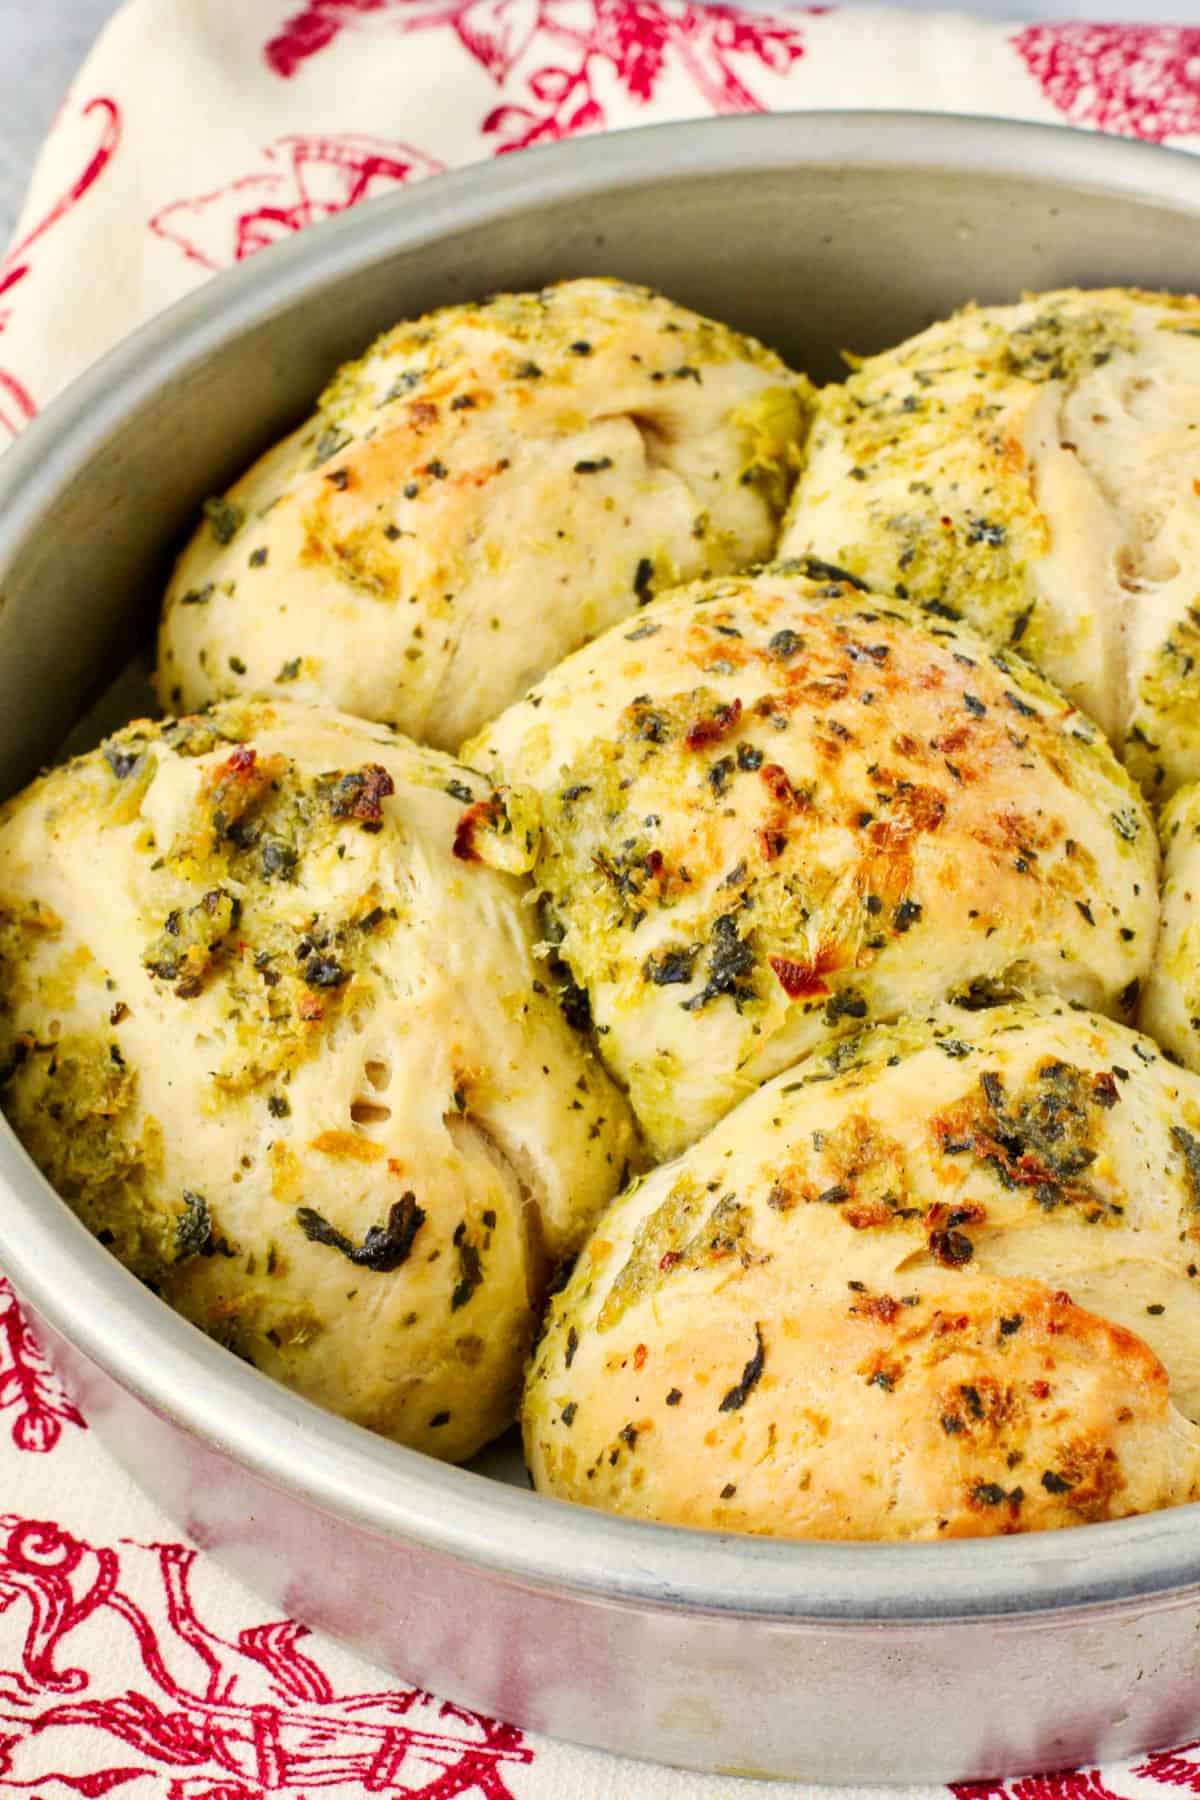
(1104, 1090)
(237, 767)
(309, 1007)
(422, 413)
(802, 980)
(1040, 1390)
(669, 1258)
(483, 813)
(360, 795)
(639, 1357)
(709, 731)
(776, 782)
(877, 1306)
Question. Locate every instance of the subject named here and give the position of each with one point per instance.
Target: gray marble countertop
(42, 43)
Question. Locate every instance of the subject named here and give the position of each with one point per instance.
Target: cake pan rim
(96, 1305)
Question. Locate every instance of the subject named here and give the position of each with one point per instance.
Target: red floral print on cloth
(29, 1388)
(17, 405)
(1139, 80)
(575, 46)
(1170, 1768)
(304, 178)
(215, 1718)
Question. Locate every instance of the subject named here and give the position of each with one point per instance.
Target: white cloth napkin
(198, 132)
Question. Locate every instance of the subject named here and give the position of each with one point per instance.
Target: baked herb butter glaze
(483, 491)
(1036, 469)
(775, 808)
(938, 1281)
(293, 1060)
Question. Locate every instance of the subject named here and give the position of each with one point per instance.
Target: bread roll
(486, 489)
(940, 1281)
(292, 1059)
(774, 806)
(1036, 468)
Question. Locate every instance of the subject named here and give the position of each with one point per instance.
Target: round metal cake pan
(829, 1662)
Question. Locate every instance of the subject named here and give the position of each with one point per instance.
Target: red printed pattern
(17, 405)
(216, 1718)
(303, 179)
(29, 1388)
(1138, 80)
(575, 44)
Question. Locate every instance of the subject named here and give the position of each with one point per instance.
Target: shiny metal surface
(829, 1662)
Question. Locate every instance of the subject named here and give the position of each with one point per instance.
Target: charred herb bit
(322, 971)
(1020, 706)
(573, 1000)
(289, 670)
(984, 531)
(674, 1397)
(198, 596)
(331, 440)
(438, 1420)
(279, 859)
(1056, 1484)
(225, 518)
(642, 580)
(1011, 1323)
(1020, 624)
(951, 1248)
(1126, 824)
(257, 558)
(1189, 1148)
(906, 915)
(572, 1346)
(193, 1232)
(988, 1493)
(360, 794)
(730, 962)
(749, 758)
(458, 790)
(845, 1003)
(739, 1393)
(279, 1106)
(817, 570)
(184, 951)
(470, 1270)
(667, 968)
(643, 631)
(568, 1413)
(122, 762)
(237, 665)
(580, 347)
(785, 644)
(593, 465)
(384, 1248)
(719, 775)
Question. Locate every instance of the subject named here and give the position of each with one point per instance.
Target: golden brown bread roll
(486, 489)
(774, 806)
(292, 1059)
(940, 1281)
(1170, 1007)
(1036, 468)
